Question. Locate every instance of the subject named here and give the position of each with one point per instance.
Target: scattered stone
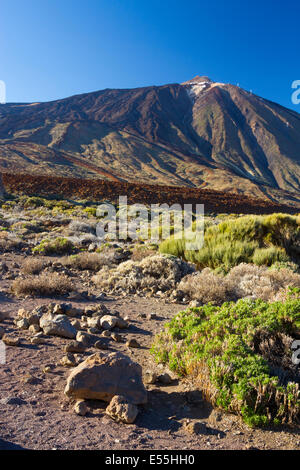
(76, 323)
(116, 337)
(102, 343)
(165, 379)
(37, 340)
(75, 347)
(151, 316)
(121, 410)
(34, 329)
(33, 318)
(94, 322)
(30, 379)
(12, 401)
(106, 334)
(85, 338)
(215, 417)
(22, 324)
(121, 323)
(132, 343)
(108, 322)
(57, 325)
(102, 376)
(150, 377)
(11, 340)
(195, 427)
(68, 360)
(81, 408)
(93, 331)
(195, 303)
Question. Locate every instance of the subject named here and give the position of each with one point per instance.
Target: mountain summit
(198, 133)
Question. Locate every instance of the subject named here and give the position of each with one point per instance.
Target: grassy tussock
(43, 285)
(90, 261)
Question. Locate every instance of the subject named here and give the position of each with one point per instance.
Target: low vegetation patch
(240, 356)
(43, 285)
(244, 280)
(262, 240)
(58, 246)
(90, 261)
(153, 274)
(33, 265)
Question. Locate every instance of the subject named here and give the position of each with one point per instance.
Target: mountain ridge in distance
(200, 134)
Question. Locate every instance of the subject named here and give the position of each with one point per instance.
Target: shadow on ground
(6, 445)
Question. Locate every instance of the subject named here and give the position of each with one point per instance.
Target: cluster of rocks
(90, 327)
(112, 378)
(106, 376)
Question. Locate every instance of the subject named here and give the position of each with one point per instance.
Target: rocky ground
(36, 414)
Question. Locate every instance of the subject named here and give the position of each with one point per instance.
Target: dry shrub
(205, 286)
(43, 285)
(244, 280)
(154, 273)
(138, 254)
(33, 265)
(90, 261)
(8, 242)
(260, 282)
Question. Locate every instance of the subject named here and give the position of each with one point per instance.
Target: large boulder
(57, 325)
(102, 376)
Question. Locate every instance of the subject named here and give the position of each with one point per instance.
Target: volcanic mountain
(200, 133)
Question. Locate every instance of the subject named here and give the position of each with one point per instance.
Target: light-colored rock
(132, 343)
(121, 323)
(108, 322)
(33, 318)
(76, 323)
(195, 427)
(68, 360)
(57, 325)
(11, 340)
(84, 338)
(121, 410)
(22, 324)
(75, 347)
(102, 343)
(37, 340)
(116, 337)
(150, 377)
(34, 329)
(81, 408)
(102, 376)
(94, 322)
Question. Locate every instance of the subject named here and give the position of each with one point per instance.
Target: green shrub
(248, 239)
(59, 246)
(269, 256)
(229, 349)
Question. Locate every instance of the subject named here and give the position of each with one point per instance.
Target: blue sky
(52, 49)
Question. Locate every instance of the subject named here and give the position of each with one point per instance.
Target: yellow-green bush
(250, 239)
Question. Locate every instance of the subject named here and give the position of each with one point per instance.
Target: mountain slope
(199, 133)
